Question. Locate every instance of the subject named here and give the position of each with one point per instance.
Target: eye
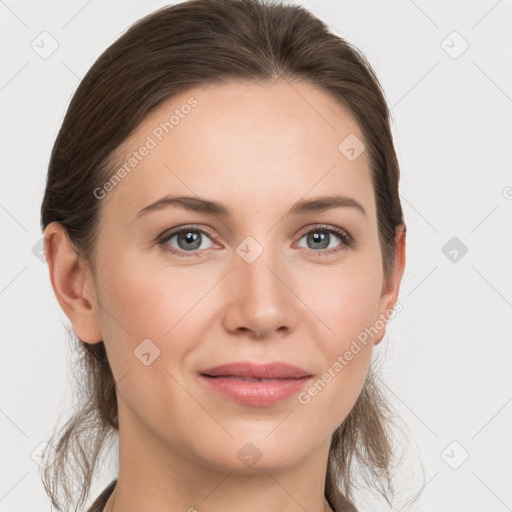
(190, 239)
(320, 239)
(187, 239)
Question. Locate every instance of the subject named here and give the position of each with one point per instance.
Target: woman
(223, 230)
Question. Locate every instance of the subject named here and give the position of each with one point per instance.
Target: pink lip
(227, 379)
(273, 370)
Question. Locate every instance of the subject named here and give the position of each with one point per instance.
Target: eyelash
(347, 241)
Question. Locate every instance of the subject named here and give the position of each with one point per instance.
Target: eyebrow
(215, 208)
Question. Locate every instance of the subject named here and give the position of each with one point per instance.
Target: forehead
(245, 144)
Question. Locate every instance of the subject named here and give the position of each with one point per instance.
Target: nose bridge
(258, 262)
(260, 300)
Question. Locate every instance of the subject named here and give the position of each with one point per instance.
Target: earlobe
(71, 283)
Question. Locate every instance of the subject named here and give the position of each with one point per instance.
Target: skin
(258, 148)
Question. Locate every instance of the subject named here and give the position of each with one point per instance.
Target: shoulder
(101, 500)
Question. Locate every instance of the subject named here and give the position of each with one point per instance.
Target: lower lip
(256, 393)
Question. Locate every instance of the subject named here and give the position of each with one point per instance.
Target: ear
(391, 289)
(72, 284)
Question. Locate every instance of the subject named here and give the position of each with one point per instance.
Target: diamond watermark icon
(38, 250)
(455, 455)
(351, 147)
(146, 352)
(454, 45)
(249, 249)
(45, 45)
(454, 249)
(37, 454)
(249, 454)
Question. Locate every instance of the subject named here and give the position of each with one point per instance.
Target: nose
(260, 301)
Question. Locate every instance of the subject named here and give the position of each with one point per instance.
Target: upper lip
(272, 370)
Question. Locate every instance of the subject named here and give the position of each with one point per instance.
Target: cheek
(148, 297)
(144, 302)
(347, 355)
(347, 309)
(147, 301)
(345, 301)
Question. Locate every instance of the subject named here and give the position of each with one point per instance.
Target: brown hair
(165, 53)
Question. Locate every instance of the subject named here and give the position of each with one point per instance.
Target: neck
(163, 478)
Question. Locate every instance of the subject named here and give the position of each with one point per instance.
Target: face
(183, 289)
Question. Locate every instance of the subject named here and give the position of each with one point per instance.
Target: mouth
(245, 379)
(256, 384)
(248, 370)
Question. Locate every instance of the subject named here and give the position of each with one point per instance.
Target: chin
(256, 453)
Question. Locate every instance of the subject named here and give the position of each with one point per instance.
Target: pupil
(191, 239)
(320, 238)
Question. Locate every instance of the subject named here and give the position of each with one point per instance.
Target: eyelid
(329, 228)
(164, 237)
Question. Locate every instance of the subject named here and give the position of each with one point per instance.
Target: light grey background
(448, 352)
